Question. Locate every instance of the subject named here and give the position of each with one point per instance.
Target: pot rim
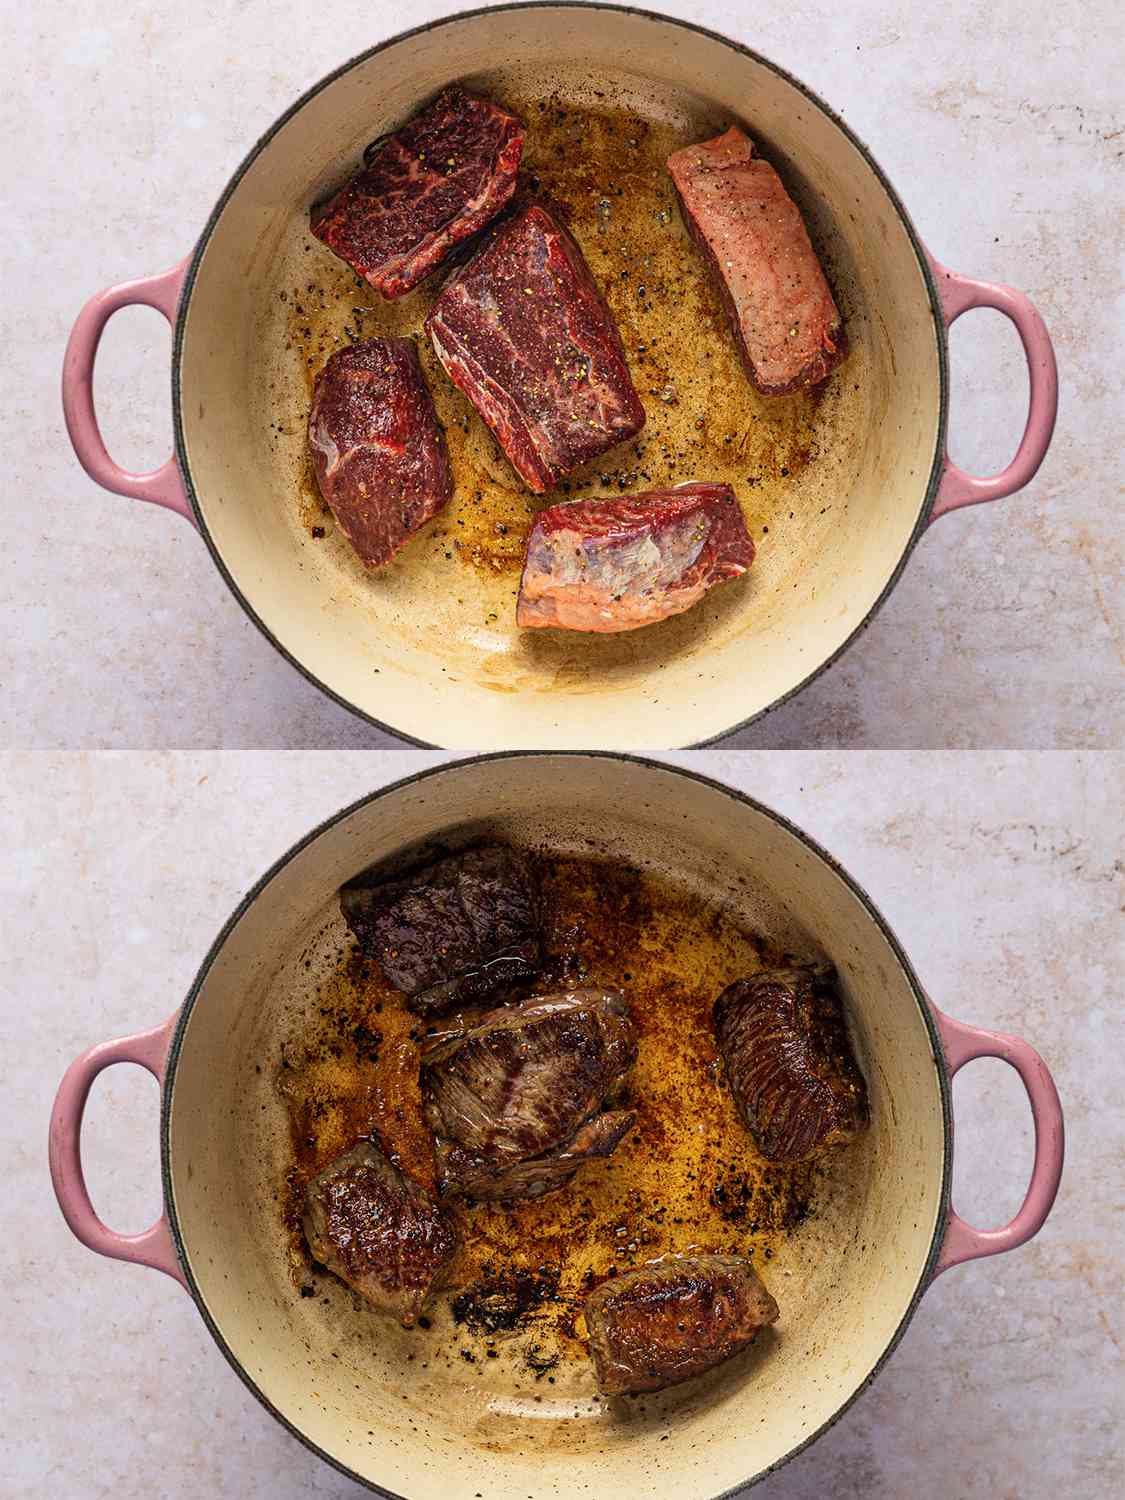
(936, 467)
(648, 763)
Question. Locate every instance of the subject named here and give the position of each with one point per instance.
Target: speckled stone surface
(1000, 874)
(1001, 127)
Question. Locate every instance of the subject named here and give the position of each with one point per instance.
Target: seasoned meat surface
(378, 452)
(788, 1061)
(755, 242)
(378, 1230)
(478, 1176)
(524, 331)
(630, 560)
(516, 1101)
(457, 932)
(423, 190)
(664, 1323)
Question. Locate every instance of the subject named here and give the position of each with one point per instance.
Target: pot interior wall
(832, 490)
(391, 1405)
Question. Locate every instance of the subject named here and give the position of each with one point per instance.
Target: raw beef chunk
(377, 449)
(627, 561)
(753, 237)
(525, 333)
(423, 190)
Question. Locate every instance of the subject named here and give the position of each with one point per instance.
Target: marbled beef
(619, 563)
(378, 452)
(423, 190)
(524, 331)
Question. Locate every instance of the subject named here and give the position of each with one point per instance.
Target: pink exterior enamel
(962, 1044)
(148, 1049)
(164, 485)
(958, 295)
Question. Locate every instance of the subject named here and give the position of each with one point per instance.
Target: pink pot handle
(962, 1044)
(164, 485)
(154, 1247)
(958, 295)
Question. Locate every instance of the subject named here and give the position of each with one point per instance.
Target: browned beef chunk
(479, 1177)
(423, 190)
(665, 1323)
(379, 1231)
(378, 452)
(516, 1102)
(788, 1061)
(457, 932)
(524, 331)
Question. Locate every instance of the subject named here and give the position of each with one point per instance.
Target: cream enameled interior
(339, 1375)
(428, 659)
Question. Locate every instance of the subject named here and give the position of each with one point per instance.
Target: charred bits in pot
(504, 1302)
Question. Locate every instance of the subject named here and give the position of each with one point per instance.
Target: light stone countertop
(1000, 874)
(1000, 125)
